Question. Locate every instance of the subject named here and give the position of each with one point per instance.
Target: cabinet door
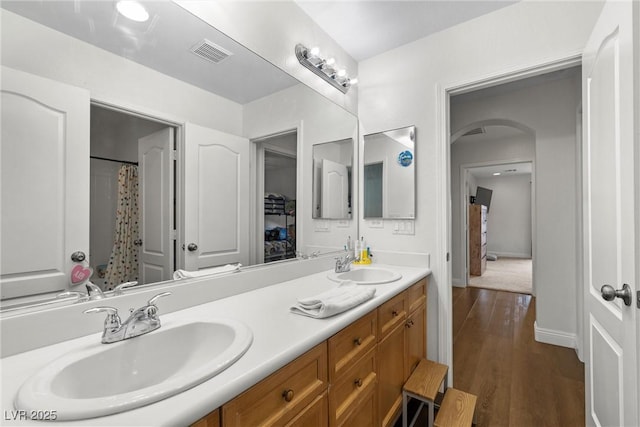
(391, 360)
(416, 339)
(45, 182)
(364, 414)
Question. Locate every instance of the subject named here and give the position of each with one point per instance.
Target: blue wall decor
(405, 158)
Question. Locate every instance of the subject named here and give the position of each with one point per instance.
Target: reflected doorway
(132, 203)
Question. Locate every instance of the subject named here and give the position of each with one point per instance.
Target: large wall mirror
(151, 147)
(389, 183)
(332, 179)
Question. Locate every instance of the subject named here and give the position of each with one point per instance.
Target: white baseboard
(459, 283)
(551, 336)
(509, 254)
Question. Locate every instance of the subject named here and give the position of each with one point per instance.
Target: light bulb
(496, 173)
(341, 73)
(353, 81)
(132, 10)
(315, 51)
(330, 61)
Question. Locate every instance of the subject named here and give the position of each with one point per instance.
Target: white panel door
(335, 190)
(611, 359)
(45, 182)
(156, 172)
(217, 196)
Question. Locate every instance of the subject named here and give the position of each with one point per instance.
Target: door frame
(178, 176)
(256, 233)
(464, 213)
(444, 91)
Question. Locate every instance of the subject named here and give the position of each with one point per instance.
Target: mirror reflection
(332, 166)
(168, 158)
(389, 174)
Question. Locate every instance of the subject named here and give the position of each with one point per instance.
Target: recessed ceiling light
(132, 10)
(496, 173)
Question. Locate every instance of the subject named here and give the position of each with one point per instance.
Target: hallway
(518, 381)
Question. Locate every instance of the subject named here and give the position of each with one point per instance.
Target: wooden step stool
(424, 384)
(457, 409)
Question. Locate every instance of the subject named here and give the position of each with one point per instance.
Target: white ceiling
(365, 28)
(162, 43)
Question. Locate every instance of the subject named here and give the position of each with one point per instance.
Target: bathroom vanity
(297, 370)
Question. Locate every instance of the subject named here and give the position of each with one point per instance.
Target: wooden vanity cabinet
(354, 378)
(284, 396)
(400, 346)
(211, 420)
(352, 372)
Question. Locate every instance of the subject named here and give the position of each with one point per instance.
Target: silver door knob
(609, 294)
(78, 256)
(192, 247)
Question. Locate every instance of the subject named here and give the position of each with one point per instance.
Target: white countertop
(279, 337)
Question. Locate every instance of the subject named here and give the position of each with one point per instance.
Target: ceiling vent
(210, 51)
(476, 131)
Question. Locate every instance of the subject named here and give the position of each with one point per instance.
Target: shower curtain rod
(113, 160)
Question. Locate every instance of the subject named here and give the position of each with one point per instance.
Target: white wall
(465, 154)
(400, 88)
(109, 77)
(272, 29)
(509, 218)
(299, 106)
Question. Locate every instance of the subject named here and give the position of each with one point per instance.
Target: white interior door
(45, 182)
(217, 198)
(611, 359)
(335, 190)
(156, 192)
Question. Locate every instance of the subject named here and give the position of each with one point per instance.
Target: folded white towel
(342, 298)
(184, 274)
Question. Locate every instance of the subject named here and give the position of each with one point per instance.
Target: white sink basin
(367, 276)
(104, 379)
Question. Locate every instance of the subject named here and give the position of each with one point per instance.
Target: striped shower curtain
(123, 262)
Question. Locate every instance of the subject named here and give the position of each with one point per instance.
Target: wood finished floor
(519, 382)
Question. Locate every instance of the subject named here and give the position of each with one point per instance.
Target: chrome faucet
(141, 321)
(93, 293)
(344, 264)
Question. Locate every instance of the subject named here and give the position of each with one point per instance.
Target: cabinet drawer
(316, 414)
(416, 295)
(211, 420)
(391, 314)
(352, 387)
(281, 396)
(348, 345)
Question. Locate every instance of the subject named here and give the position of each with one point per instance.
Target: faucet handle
(119, 290)
(153, 300)
(112, 320)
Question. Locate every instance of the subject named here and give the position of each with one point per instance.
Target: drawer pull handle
(407, 325)
(394, 313)
(357, 341)
(358, 382)
(288, 395)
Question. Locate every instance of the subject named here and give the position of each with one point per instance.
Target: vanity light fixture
(324, 68)
(132, 10)
(497, 174)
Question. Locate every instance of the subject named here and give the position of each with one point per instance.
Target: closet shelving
(279, 245)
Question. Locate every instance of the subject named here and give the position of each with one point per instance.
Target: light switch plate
(342, 223)
(321, 226)
(375, 223)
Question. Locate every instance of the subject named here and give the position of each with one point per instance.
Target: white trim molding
(550, 336)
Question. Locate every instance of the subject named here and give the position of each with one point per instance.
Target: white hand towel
(184, 274)
(342, 298)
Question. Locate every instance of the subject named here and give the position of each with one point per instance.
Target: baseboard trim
(459, 283)
(551, 336)
(510, 254)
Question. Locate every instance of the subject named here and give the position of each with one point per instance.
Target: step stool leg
(431, 406)
(405, 415)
